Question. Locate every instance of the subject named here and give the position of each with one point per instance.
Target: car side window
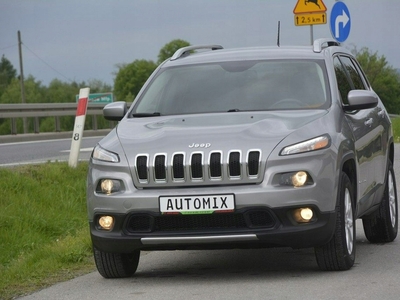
(342, 79)
(353, 72)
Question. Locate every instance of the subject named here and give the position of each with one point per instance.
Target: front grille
(254, 162)
(178, 167)
(199, 222)
(216, 221)
(141, 167)
(234, 164)
(198, 168)
(215, 165)
(159, 167)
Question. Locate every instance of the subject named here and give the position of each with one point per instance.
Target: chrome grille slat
(234, 164)
(142, 167)
(178, 166)
(215, 165)
(197, 167)
(253, 163)
(160, 168)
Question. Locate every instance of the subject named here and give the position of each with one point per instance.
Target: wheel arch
(349, 167)
(391, 150)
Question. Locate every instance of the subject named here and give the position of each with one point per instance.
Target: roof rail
(319, 44)
(186, 50)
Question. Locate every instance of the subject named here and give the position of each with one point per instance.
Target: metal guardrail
(56, 110)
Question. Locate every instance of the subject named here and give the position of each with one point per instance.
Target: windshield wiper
(234, 110)
(144, 115)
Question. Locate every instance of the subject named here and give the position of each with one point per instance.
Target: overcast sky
(80, 40)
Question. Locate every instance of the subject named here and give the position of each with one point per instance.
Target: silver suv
(239, 148)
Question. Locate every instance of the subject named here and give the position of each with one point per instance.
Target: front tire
(116, 265)
(382, 225)
(339, 253)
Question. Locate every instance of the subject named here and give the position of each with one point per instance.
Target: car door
(367, 132)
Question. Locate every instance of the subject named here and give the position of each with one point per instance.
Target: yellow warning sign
(309, 6)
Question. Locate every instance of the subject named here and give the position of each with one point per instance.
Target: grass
(396, 129)
(44, 234)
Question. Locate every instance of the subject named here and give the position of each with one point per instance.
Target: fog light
(299, 179)
(109, 186)
(295, 179)
(106, 222)
(303, 215)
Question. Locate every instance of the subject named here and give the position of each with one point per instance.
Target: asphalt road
(280, 273)
(12, 154)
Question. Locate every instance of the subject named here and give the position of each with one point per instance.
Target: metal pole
(311, 34)
(22, 80)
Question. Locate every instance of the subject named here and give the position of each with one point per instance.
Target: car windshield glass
(236, 86)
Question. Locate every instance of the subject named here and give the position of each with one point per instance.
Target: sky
(83, 40)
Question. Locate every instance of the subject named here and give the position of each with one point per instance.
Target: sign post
(309, 12)
(340, 22)
(78, 127)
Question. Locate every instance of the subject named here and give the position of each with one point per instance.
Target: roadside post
(78, 127)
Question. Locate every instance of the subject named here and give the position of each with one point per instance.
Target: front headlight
(317, 143)
(104, 155)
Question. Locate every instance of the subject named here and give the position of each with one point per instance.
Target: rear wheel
(382, 225)
(339, 253)
(116, 265)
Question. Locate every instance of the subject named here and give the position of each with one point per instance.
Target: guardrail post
(13, 126)
(94, 122)
(36, 125)
(57, 123)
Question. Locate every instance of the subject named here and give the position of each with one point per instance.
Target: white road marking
(82, 150)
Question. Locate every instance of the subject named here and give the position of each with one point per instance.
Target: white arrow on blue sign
(340, 22)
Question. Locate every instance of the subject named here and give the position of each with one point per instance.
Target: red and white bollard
(78, 127)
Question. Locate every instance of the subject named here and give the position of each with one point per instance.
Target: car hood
(220, 131)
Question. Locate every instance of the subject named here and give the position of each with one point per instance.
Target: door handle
(369, 122)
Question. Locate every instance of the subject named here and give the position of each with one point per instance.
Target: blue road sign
(340, 22)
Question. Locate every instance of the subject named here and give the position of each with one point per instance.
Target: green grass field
(44, 232)
(396, 129)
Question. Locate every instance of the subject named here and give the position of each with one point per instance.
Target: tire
(382, 225)
(116, 265)
(339, 253)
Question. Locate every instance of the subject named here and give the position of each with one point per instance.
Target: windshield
(236, 86)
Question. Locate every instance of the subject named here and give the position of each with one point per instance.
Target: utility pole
(25, 123)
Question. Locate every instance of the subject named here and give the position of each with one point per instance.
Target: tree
(131, 77)
(169, 49)
(384, 78)
(7, 73)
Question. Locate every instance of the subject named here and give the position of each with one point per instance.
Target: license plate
(205, 204)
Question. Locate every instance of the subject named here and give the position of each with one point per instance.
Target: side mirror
(115, 111)
(361, 99)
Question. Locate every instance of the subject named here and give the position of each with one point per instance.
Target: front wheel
(116, 265)
(339, 253)
(382, 225)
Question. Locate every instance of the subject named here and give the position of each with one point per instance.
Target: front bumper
(279, 230)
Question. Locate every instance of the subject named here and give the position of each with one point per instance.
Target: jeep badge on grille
(202, 145)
